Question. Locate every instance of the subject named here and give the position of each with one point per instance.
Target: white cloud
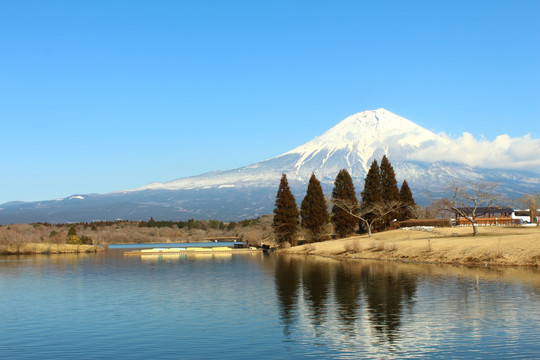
(504, 152)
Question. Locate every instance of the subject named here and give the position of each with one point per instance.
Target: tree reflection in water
(316, 281)
(347, 292)
(287, 274)
(385, 292)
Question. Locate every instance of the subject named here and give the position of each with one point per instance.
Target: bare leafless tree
(471, 200)
(377, 211)
(531, 202)
(422, 212)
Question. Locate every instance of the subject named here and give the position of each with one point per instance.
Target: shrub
(424, 222)
(73, 240)
(86, 240)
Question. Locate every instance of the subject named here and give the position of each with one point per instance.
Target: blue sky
(109, 95)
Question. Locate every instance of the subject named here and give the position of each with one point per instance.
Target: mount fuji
(249, 191)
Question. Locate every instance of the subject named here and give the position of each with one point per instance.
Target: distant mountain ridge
(249, 191)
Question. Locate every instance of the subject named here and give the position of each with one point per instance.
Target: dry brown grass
(492, 246)
(46, 248)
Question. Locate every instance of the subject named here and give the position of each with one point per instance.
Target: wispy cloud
(521, 153)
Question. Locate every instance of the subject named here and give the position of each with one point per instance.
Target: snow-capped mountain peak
(361, 137)
(369, 129)
(352, 144)
(427, 161)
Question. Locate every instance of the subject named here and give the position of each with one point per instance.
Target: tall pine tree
(372, 192)
(389, 189)
(407, 201)
(313, 209)
(285, 213)
(344, 193)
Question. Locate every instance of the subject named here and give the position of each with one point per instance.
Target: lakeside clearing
(47, 248)
(493, 246)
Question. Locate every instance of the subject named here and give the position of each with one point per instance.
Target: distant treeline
(199, 224)
(93, 225)
(190, 224)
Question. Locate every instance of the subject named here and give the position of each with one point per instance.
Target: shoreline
(47, 248)
(493, 246)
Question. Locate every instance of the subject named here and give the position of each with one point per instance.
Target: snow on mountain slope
(356, 141)
(352, 144)
(364, 133)
(428, 162)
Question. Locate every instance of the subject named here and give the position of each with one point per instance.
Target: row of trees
(190, 224)
(382, 202)
(197, 224)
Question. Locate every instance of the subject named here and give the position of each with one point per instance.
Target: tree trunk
(368, 227)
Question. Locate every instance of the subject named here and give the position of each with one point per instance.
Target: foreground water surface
(262, 306)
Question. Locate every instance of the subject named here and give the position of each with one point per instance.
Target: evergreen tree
(407, 201)
(313, 209)
(285, 213)
(389, 189)
(72, 230)
(343, 193)
(372, 192)
(192, 224)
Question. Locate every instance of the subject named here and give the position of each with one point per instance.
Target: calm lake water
(254, 306)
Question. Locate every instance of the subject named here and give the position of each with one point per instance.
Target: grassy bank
(45, 248)
(130, 232)
(518, 246)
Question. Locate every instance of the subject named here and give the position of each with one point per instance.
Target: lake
(256, 306)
